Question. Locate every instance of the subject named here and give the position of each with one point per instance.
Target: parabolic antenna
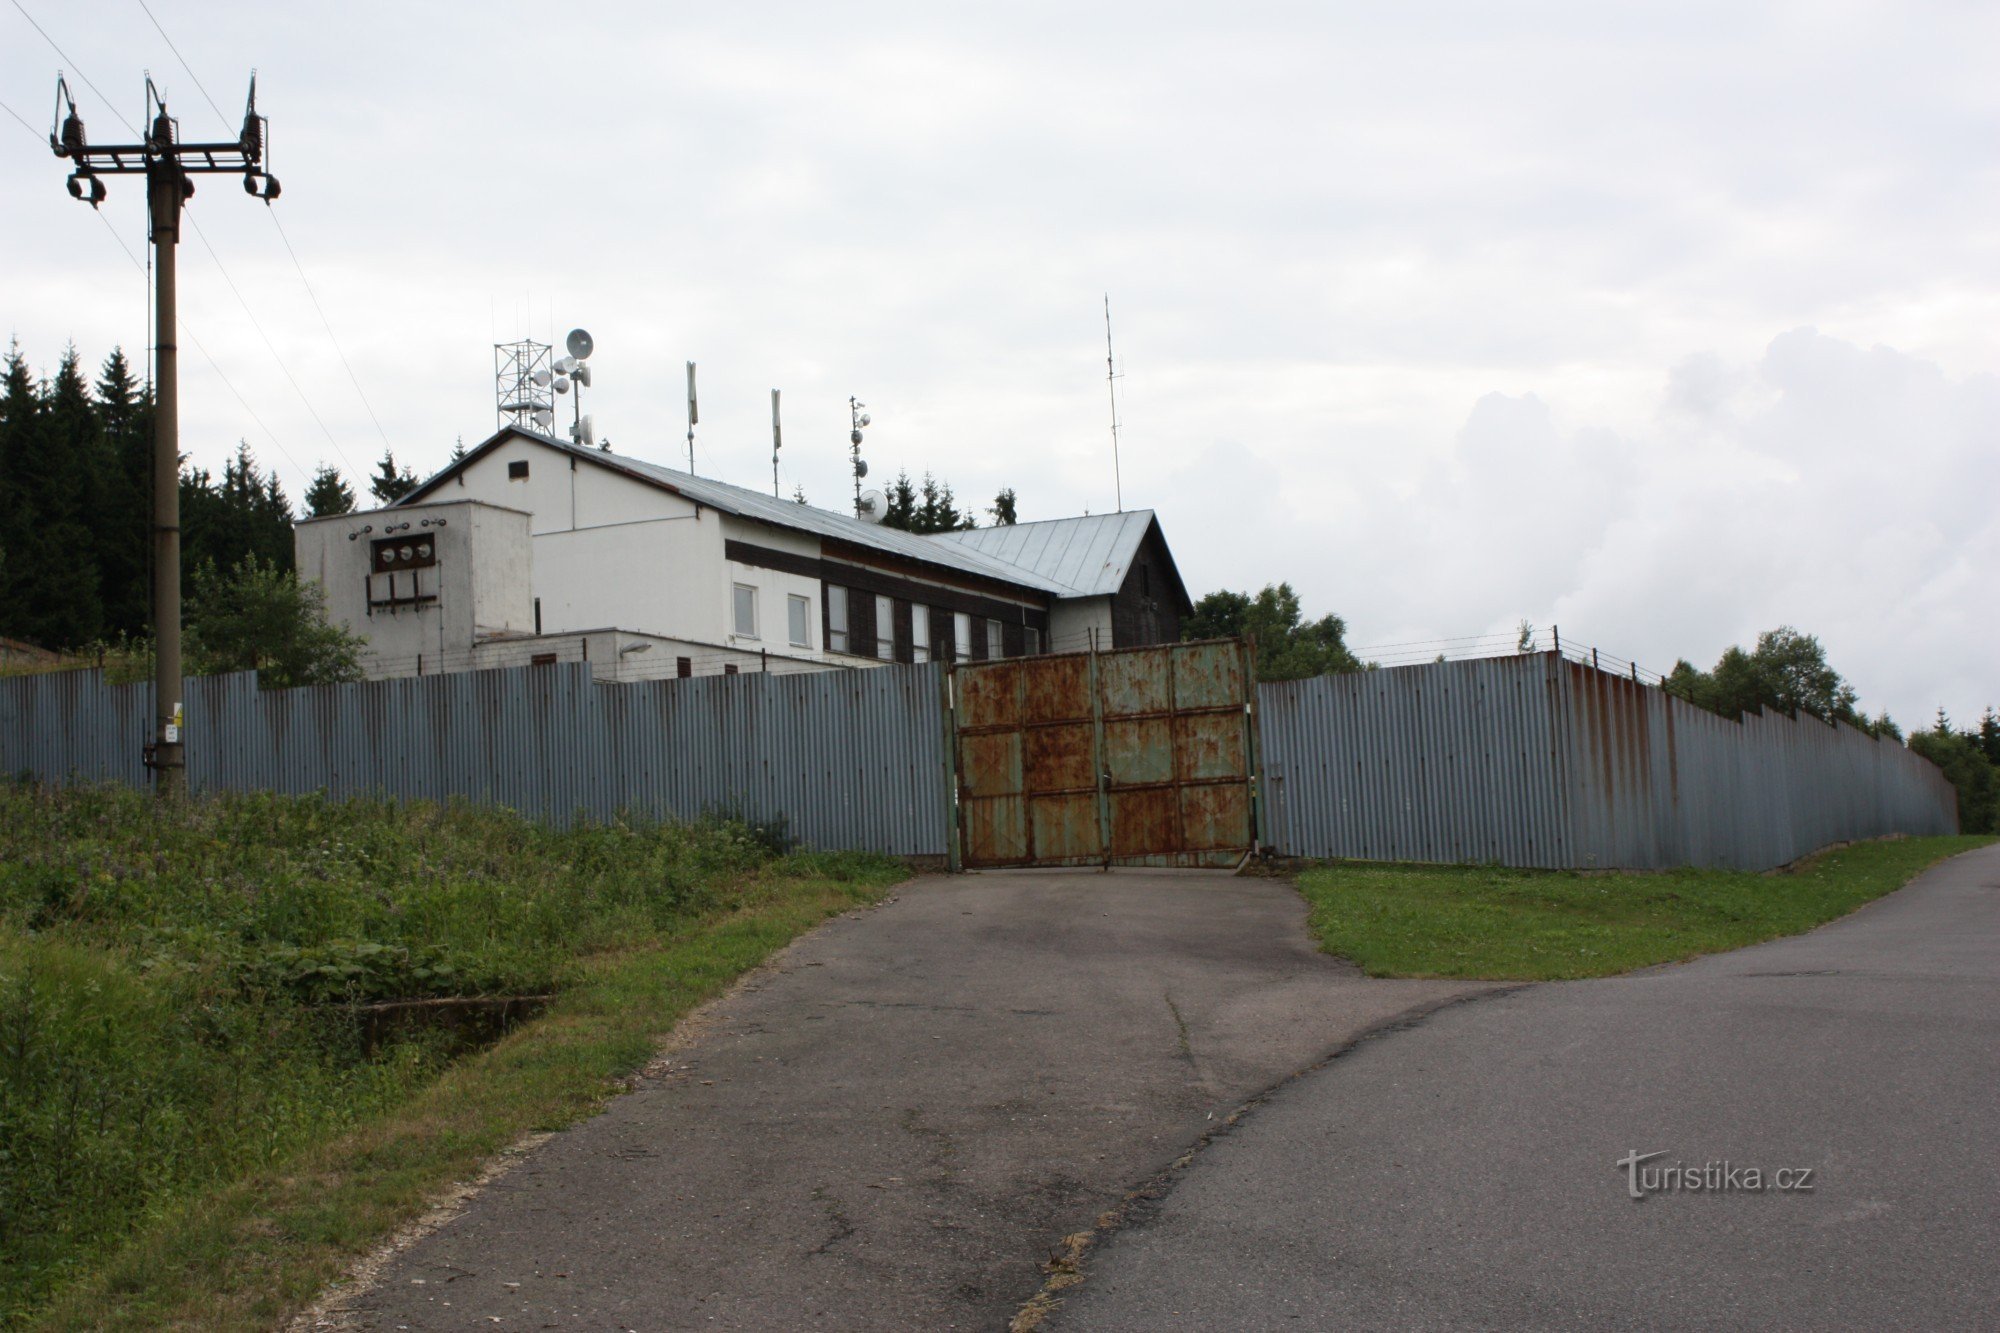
(873, 505)
(579, 344)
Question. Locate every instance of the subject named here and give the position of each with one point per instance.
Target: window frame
(798, 620)
(920, 632)
(885, 628)
(838, 627)
(996, 640)
(737, 591)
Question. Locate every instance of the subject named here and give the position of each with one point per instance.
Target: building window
(729, 668)
(996, 643)
(1031, 640)
(517, 470)
(799, 615)
(920, 632)
(683, 667)
(836, 619)
(885, 629)
(746, 611)
(961, 636)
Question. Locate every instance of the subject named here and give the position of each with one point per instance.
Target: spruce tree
(124, 537)
(328, 494)
(389, 485)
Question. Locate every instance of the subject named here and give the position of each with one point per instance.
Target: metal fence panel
(1537, 761)
(851, 759)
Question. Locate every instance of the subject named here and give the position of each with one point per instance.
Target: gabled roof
(1092, 554)
(749, 504)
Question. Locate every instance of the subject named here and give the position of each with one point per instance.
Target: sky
(1662, 324)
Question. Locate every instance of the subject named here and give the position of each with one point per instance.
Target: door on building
(1141, 756)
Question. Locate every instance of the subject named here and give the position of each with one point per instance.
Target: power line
(24, 124)
(328, 326)
(109, 104)
(213, 365)
(312, 295)
(275, 356)
(184, 64)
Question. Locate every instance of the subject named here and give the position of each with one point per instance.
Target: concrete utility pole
(166, 163)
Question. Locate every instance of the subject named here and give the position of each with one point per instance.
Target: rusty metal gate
(1142, 756)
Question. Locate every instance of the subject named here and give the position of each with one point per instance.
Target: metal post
(165, 189)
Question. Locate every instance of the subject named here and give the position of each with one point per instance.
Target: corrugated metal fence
(1526, 761)
(853, 759)
(1533, 760)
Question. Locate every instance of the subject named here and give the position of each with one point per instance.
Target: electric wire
(24, 124)
(275, 356)
(109, 104)
(284, 237)
(213, 365)
(184, 64)
(327, 324)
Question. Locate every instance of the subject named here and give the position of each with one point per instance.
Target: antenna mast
(857, 418)
(693, 416)
(777, 443)
(1111, 378)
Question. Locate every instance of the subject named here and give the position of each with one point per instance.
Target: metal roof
(1091, 554)
(744, 503)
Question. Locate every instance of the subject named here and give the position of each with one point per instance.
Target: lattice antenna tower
(522, 392)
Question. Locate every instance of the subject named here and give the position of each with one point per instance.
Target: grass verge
(192, 1134)
(1480, 922)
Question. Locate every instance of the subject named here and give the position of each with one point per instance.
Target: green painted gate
(1141, 756)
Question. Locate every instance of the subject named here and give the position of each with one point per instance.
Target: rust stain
(1058, 758)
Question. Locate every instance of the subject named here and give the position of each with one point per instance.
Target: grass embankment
(1542, 925)
(195, 1132)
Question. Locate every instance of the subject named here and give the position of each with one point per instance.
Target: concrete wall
(479, 583)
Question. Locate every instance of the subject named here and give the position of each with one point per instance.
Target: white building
(532, 549)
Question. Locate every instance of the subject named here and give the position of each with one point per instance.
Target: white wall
(1071, 621)
(774, 589)
(480, 580)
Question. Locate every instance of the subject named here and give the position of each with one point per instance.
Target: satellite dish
(579, 344)
(543, 416)
(582, 374)
(584, 432)
(541, 377)
(873, 506)
(565, 364)
(864, 418)
(860, 467)
(562, 384)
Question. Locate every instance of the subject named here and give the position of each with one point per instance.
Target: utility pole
(166, 163)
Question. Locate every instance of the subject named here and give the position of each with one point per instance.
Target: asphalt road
(893, 1127)
(1463, 1172)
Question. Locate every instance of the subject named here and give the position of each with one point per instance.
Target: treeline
(76, 487)
(1971, 760)
(930, 506)
(1786, 672)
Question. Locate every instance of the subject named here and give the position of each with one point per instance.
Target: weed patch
(203, 1117)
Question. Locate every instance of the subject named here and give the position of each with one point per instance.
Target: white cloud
(1406, 296)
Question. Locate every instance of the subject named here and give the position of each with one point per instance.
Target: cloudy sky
(1664, 324)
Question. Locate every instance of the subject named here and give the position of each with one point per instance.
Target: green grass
(192, 1132)
(1538, 925)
